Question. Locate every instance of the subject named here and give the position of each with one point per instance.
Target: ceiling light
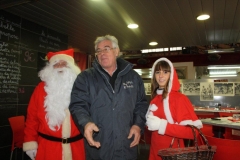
(139, 71)
(222, 72)
(223, 67)
(220, 50)
(227, 75)
(203, 17)
(132, 26)
(153, 43)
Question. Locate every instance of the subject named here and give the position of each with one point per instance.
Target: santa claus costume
(174, 112)
(50, 132)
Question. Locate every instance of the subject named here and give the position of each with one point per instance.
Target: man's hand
(89, 129)
(135, 130)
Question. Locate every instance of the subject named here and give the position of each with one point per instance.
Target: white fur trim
(159, 92)
(30, 146)
(162, 127)
(167, 110)
(66, 126)
(148, 111)
(166, 100)
(66, 133)
(196, 123)
(54, 59)
(153, 107)
(172, 71)
(186, 122)
(67, 152)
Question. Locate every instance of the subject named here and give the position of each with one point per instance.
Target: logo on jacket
(128, 84)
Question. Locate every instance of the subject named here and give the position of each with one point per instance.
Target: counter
(219, 125)
(213, 110)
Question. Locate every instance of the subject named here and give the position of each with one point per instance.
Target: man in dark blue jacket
(108, 104)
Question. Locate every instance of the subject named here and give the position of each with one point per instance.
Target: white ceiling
(171, 23)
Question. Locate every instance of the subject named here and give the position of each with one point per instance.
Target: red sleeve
(179, 131)
(32, 122)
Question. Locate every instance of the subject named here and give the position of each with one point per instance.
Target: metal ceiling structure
(171, 23)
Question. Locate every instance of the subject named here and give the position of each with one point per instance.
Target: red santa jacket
(36, 122)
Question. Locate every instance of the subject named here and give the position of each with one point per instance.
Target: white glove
(153, 122)
(32, 153)
(151, 108)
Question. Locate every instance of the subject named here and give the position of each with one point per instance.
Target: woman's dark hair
(164, 66)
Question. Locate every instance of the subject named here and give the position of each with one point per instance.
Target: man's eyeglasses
(105, 50)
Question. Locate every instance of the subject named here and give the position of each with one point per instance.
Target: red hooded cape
(176, 111)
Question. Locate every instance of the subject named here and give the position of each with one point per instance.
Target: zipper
(106, 79)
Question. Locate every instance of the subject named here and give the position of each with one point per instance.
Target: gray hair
(107, 37)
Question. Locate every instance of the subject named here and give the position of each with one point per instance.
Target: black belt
(63, 140)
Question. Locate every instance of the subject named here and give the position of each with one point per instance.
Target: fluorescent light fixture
(153, 43)
(223, 67)
(222, 72)
(220, 50)
(203, 17)
(139, 71)
(224, 75)
(132, 26)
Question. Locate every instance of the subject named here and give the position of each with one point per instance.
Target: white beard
(58, 87)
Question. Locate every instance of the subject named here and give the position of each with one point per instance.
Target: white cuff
(162, 127)
(31, 145)
(198, 123)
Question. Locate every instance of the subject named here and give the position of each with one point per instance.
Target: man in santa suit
(50, 133)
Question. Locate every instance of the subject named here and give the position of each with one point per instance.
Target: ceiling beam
(197, 59)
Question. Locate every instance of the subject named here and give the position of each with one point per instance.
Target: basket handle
(173, 141)
(202, 135)
(195, 138)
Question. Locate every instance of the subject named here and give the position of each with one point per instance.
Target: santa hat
(66, 55)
